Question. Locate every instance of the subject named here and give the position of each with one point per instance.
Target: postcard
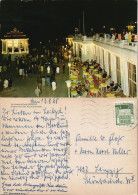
(68, 97)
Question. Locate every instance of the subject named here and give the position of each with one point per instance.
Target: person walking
(53, 86)
(42, 68)
(129, 37)
(5, 85)
(48, 80)
(57, 70)
(43, 81)
(126, 36)
(113, 37)
(37, 91)
(20, 71)
(48, 70)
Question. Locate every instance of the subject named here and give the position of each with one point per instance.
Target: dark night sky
(58, 18)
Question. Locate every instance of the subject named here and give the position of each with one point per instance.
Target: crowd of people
(43, 65)
(125, 35)
(92, 81)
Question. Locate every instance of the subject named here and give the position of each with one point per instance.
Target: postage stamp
(124, 113)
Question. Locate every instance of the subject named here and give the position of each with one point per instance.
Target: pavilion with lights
(15, 43)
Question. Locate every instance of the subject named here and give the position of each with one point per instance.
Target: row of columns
(113, 72)
(124, 76)
(76, 49)
(25, 45)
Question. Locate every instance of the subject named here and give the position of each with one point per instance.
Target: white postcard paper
(68, 146)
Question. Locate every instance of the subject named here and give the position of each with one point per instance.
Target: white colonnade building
(15, 43)
(118, 58)
(69, 40)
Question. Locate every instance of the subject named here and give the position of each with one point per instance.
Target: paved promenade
(25, 87)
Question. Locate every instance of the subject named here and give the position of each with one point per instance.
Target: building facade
(118, 58)
(15, 43)
(69, 40)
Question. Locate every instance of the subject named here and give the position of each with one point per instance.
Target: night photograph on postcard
(68, 48)
(68, 97)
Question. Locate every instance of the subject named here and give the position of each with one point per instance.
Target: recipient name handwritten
(96, 147)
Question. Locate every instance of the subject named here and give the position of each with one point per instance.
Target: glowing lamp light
(68, 82)
(69, 65)
(131, 28)
(112, 29)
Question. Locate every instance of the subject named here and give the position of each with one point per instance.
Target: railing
(117, 43)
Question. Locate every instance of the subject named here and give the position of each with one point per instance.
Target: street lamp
(68, 82)
(69, 65)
